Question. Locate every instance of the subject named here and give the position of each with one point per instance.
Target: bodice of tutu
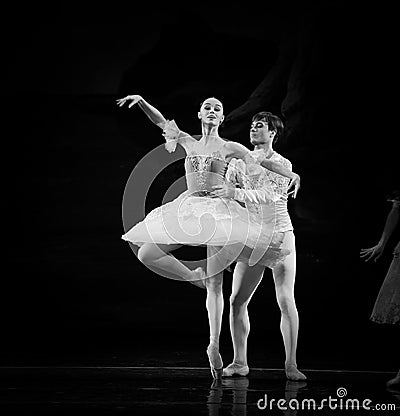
(204, 171)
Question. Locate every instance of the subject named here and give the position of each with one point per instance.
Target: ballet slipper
(235, 369)
(215, 360)
(293, 374)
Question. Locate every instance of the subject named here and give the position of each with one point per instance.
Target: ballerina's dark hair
(273, 121)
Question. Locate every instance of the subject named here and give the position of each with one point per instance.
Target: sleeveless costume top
(204, 171)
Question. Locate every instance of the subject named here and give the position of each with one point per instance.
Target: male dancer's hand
(226, 190)
(295, 182)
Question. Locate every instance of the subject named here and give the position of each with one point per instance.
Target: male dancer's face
(260, 133)
(211, 112)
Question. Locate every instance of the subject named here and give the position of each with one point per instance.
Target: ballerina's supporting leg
(244, 284)
(157, 255)
(284, 277)
(215, 308)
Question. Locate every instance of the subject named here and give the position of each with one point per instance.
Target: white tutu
(196, 218)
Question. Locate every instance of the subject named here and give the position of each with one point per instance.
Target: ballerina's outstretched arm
(151, 112)
(239, 151)
(171, 132)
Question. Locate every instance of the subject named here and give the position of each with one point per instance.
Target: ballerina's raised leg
(158, 255)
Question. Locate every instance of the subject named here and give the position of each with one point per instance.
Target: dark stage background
(74, 291)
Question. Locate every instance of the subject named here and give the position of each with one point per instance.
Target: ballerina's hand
(226, 190)
(372, 253)
(134, 98)
(295, 182)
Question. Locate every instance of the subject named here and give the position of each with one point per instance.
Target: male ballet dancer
(265, 130)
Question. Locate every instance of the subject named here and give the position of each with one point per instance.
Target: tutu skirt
(201, 220)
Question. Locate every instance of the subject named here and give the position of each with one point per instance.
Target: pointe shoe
(235, 369)
(215, 360)
(201, 276)
(293, 374)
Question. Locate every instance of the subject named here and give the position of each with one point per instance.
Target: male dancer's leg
(244, 284)
(284, 277)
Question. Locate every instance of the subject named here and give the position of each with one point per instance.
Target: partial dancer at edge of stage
(177, 223)
(387, 305)
(264, 132)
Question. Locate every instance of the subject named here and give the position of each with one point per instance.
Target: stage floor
(188, 391)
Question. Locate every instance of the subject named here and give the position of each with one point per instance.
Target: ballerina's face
(260, 133)
(211, 112)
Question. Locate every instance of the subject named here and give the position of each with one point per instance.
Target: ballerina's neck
(209, 130)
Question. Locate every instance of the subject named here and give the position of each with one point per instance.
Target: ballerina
(265, 130)
(177, 223)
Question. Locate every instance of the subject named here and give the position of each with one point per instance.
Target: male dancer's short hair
(273, 121)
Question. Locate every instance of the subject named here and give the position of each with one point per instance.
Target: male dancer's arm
(262, 195)
(241, 152)
(257, 196)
